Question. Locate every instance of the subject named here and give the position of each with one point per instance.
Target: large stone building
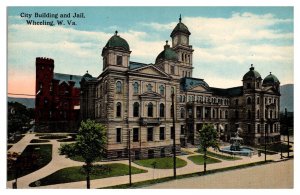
(57, 98)
(137, 97)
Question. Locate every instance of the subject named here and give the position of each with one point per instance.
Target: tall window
(136, 108)
(118, 135)
(172, 90)
(149, 87)
(161, 133)
(150, 109)
(119, 60)
(226, 114)
(150, 134)
(172, 133)
(135, 87)
(182, 113)
(257, 115)
(249, 114)
(171, 111)
(119, 109)
(249, 100)
(182, 129)
(172, 69)
(162, 110)
(119, 87)
(162, 90)
(257, 100)
(135, 134)
(258, 128)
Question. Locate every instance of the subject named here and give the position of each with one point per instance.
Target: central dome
(180, 27)
(270, 79)
(167, 54)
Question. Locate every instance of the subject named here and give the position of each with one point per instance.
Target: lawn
(161, 163)
(220, 156)
(198, 160)
(73, 174)
(53, 136)
(39, 141)
(32, 158)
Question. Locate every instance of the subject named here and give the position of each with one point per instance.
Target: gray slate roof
(67, 77)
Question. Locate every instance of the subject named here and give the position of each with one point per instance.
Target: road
(275, 175)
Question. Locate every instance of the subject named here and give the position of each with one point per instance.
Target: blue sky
(226, 40)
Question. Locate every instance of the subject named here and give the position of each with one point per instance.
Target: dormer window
(119, 60)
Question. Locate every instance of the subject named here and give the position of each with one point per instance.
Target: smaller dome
(167, 54)
(180, 27)
(270, 79)
(87, 75)
(251, 74)
(117, 42)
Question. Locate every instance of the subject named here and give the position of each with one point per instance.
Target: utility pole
(287, 130)
(266, 129)
(174, 144)
(129, 155)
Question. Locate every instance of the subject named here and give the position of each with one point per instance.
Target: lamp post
(129, 155)
(174, 143)
(287, 131)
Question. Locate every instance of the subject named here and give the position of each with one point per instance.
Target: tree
(208, 137)
(90, 144)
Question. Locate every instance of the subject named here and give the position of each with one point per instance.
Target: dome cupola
(116, 42)
(180, 28)
(271, 80)
(251, 74)
(167, 54)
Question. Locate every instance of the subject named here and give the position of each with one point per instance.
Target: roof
(134, 65)
(167, 54)
(270, 79)
(187, 83)
(88, 77)
(68, 77)
(180, 27)
(116, 42)
(251, 74)
(235, 91)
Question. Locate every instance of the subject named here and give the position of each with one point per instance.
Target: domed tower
(167, 59)
(180, 44)
(252, 79)
(271, 80)
(116, 53)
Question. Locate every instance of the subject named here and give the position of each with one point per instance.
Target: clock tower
(180, 44)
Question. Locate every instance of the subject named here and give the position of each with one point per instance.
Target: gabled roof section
(235, 91)
(68, 77)
(134, 65)
(188, 83)
(150, 69)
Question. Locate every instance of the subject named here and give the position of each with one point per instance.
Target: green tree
(90, 144)
(208, 137)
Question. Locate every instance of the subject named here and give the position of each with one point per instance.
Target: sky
(226, 40)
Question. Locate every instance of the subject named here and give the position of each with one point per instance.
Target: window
(162, 90)
(257, 100)
(257, 114)
(172, 90)
(171, 112)
(214, 113)
(161, 133)
(119, 60)
(257, 85)
(182, 113)
(249, 114)
(136, 109)
(236, 114)
(162, 110)
(266, 128)
(118, 134)
(149, 87)
(119, 87)
(150, 134)
(198, 112)
(182, 129)
(135, 134)
(119, 109)
(249, 128)
(258, 128)
(150, 109)
(172, 133)
(172, 70)
(266, 113)
(135, 88)
(249, 100)
(226, 114)
(248, 85)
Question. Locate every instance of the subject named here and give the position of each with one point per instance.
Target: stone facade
(137, 97)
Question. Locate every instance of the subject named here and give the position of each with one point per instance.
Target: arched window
(150, 110)
(249, 114)
(182, 113)
(257, 114)
(162, 110)
(119, 109)
(162, 90)
(135, 87)
(118, 87)
(249, 100)
(136, 109)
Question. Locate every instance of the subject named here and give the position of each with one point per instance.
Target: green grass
(196, 174)
(73, 174)
(199, 160)
(220, 156)
(80, 159)
(161, 163)
(39, 141)
(31, 160)
(17, 139)
(58, 136)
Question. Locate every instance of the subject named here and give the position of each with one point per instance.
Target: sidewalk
(58, 162)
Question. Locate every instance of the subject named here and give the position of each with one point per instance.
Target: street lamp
(129, 155)
(174, 135)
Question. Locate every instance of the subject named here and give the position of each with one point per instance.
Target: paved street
(58, 162)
